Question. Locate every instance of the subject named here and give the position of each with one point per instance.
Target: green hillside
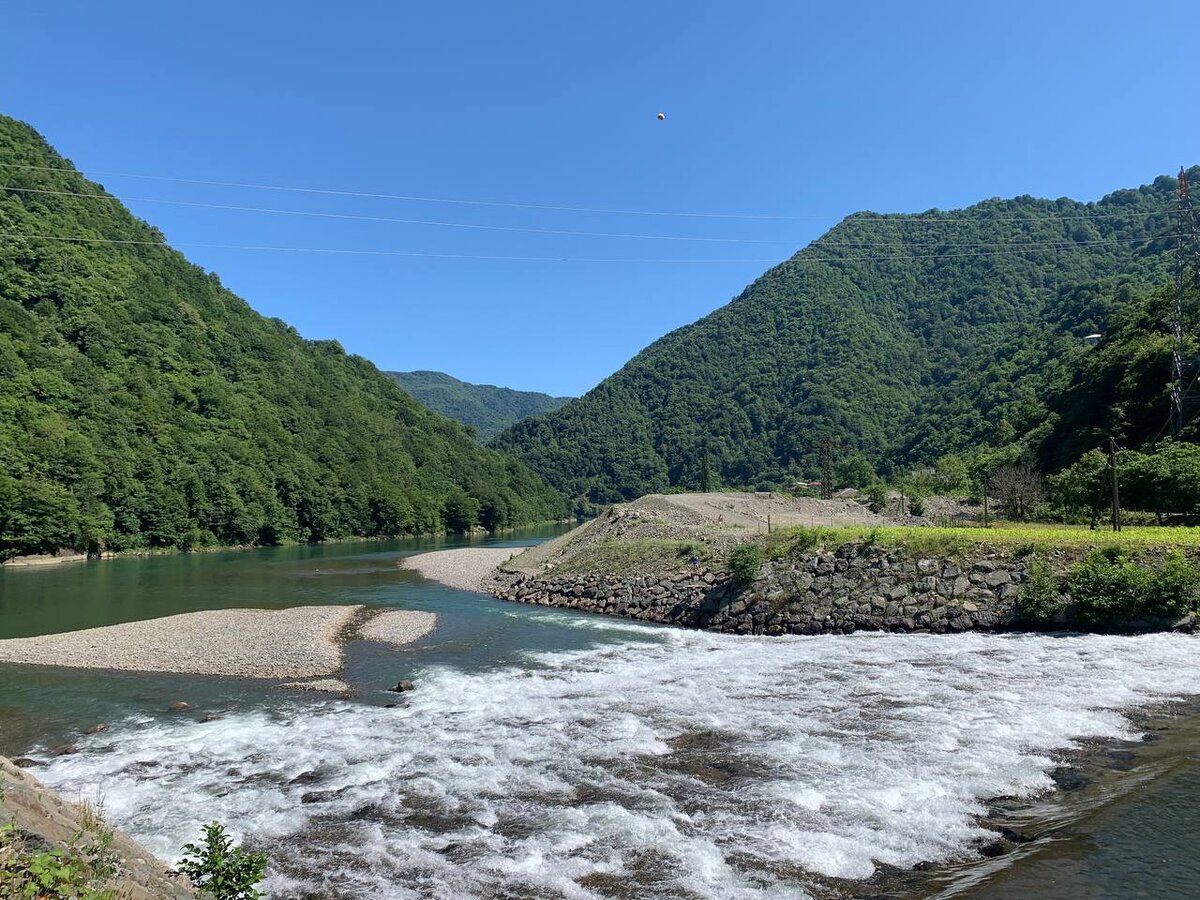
(902, 337)
(145, 405)
(484, 407)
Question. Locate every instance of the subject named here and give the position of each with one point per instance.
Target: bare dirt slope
(713, 521)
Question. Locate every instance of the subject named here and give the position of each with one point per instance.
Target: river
(547, 753)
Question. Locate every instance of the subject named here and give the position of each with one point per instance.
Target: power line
(946, 217)
(372, 252)
(512, 228)
(369, 252)
(411, 198)
(543, 231)
(354, 217)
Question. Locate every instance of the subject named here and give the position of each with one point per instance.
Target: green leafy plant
(1040, 599)
(744, 563)
(80, 870)
(1109, 586)
(218, 867)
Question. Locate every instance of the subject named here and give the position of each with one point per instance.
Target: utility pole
(1116, 491)
(827, 468)
(985, 496)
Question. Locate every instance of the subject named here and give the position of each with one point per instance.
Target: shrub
(877, 497)
(1108, 586)
(221, 869)
(916, 506)
(1176, 588)
(744, 563)
(1040, 599)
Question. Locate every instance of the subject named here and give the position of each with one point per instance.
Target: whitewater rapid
(677, 763)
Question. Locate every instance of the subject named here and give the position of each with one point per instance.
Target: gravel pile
(402, 626)
(464, 568)
(301, 642)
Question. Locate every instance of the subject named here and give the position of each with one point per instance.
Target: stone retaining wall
(855, 587)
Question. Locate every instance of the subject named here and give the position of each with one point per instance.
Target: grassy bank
(1016, 538)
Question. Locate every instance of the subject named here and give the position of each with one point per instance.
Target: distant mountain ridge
(901, 338)
(485, 407)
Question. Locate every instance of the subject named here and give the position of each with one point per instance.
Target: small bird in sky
(661, 116)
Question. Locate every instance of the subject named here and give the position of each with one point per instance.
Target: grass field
(1018, 538)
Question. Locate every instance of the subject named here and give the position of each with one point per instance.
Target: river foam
(684, 765)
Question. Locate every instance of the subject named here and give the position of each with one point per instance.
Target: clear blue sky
(786, 109)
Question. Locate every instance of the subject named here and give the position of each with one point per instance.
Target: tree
(1019, 487)
(460, 512)
(951, 474)
(1082, 490)
(854, 471)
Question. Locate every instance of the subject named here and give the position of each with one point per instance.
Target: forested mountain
(146, 405)
(901, 337)
(484, 407)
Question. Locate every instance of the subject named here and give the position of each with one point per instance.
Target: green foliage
(1081, 491)
(485, 408)
(952, 475)
(1109, 586)
(80, 870)
(877, 496)
(1164, 480)
(1121, 388)
(221, 869)
(906, 355)
(144, 405)
(916, 505)
(744, 562)
(1040, 599)
(853, 471)
(460, 512)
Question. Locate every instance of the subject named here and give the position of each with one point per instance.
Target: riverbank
(465, 568)
(304, 642)
(676, 561)
(67, 555)
(42, 819)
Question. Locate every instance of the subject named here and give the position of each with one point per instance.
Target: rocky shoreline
(40, 814)
(855, 587)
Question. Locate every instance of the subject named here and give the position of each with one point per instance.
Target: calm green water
(47, 706)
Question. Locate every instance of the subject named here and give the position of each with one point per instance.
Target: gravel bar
(301, 642)
(401, 626)
(464, 568)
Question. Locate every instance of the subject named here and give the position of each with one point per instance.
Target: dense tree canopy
(144, 405)
(905, 338)
(483, 407)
